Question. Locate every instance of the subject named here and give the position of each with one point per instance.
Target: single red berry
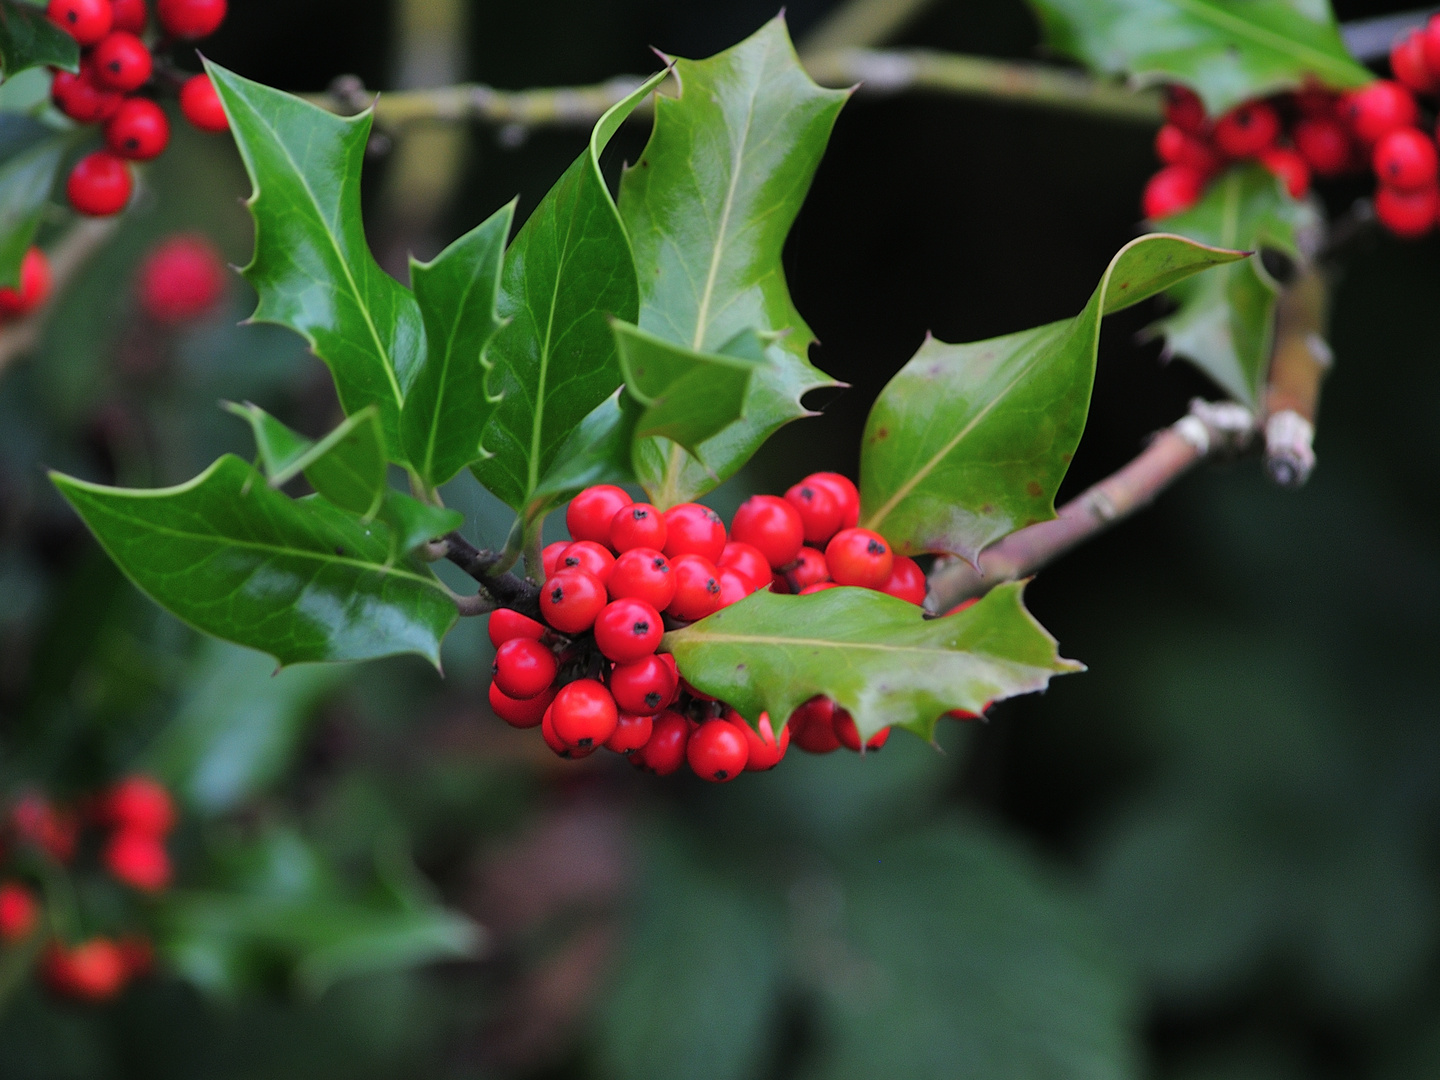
(845, 493)
(906, 580)
(643, 574)
(138, 130)
(849, 734)
(190, 19)
(139, 803)
(200, 102)
(748, 562)
(771, 525)
(92, 971)
(664, 751)
(859, 557)
(1408, 214)
(1405, 159)
(638, 525)
(819, 586)
(589, 514)
(819, 508)
(763, 750)
(547, 732)
(129, 15)
(138, 859)
(100, 184)
(1373, 111)
(524, 668)
(717, 751)
(18, 912)
(87, 21)
(550, 556)
(122, 62)
(1247, 129)
(35, 282)
(734, 586)
(50, 828)
(584, 714)
(627, 629)
(1173, 189)
(1185, 110)
(812, 726)
(1430, 44)
(595, 559)
(1324, 144)
(1407, 63)
(518, 712)
(631, 733)
(1289, 168)
(506, 625)
(181, 279)
(697, 588)
(809, 568)
(570, 600)
(1176, 147)
(644, 686)
(81, 97)
(692, 529)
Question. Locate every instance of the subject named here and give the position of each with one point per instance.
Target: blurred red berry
(1408, 214)
(81, 97)
(182, 279)
(35, 282)
(87, 21)
(1325, 145)
(1373, 111)
(1247, 129)
(812, 726)
(139, 130)
(138, 859)
(93, 971)
(1176, 147)
(1405, 159)
(129, 15)
(1184, 109)
(122, 62)
(49, 828)
(1289, 167)
(201, 105)
(190, 19)
(100, 184)
(1172, 190)
(1407, 63)
(19, 912)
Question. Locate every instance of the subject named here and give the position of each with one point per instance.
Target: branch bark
(1298, 365)
(503, 590)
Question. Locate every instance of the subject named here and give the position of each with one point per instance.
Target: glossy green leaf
(686, 396)
(25, 183)
(876, 655)
(1228, 51)
(414, 522)
(280, 449)
(447, 408)
(300, 580)
(598, 451)
(312, 267)
(1226, 319)
(969, 442)
(555, 359)
(28, 39)
(708, 207)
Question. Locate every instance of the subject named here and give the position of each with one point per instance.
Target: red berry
(631, 733)
(717, 751)
(34, 288)
(1407, 63)
(1176, 147)
(1289, 168)
(748, 562)
(819, 586)
(1324, 144)
(845, 494)
(819, 508)
(646, 685)
(906, 580)
(1375, 110)
(138, 130)
(734, 586)
(518, 712)
(181, 279)
(82, 98)
(141, 804)
(808, 569)
(595, 559)
(664, 751)
(550, 556)
(849, 734)
(1247, 129)
(1405, 159)
(557, 744)
(190, 19)
(570, 600)
(693, 529)
(92, 971)
(638, 525)
(584, 714)
(129, 15)
(697, 588)
(1185, 110)
(771, 525)
(1430, 44)
(524, 668)
(49, 828)
(812, 726)
(763, 752)
(1173, 189)
(589, 514)
(1408, 214)
(18, 912)
(100, 184)
(138, 859)
(859, 557)
(122, 62)
(87, 21)
(643, 574)
(506, 625)
(200, 102)
(627, 630)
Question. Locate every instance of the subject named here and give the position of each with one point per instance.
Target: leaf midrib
(455, 324)
(760, 639)
(538, 425)
(1260, 36)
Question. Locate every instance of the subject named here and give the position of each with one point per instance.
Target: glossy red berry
(87, 21)
(734, 586)
(628, 629)
(693, 529)
(1375, 110)
(1405, 159)
(506, 625)
(845, 493)
(644, 686)
(1289, 168)
(140, 803)
(631, 733)
(550, 556)
(92, 971)
(139, 130)
(35, 282)
(1408, 214)
(100, 184)
(1176, 147)
(643, 574)
(1185, 110)
(82, 98)
(748, 562)
(664, 751)
(809, 568)
(859, 557)
(638, 525)
(717, 751)
(906, 580)
(557, 744)
(1324, 144)
(190, 19)
(524, 668)
(589, 514)
(1407, 63)
(812, 726)
(129, 15)
(849, 734)
(1247, 129)
(122, 62)
(519, 712)
(18, 912)
(570, 600)
(771, 525)
(763, 750)
(138, 859)
(697, 588)
(584, 714)
(595, 559)
(201, 105)
(819, 508)
(1172, 190)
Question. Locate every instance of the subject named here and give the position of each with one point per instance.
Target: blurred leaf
(300, 580)
(708, 207)
(1228, 51)
(1226, 319)
(876, 655)
(25, 183)
(447, 408)
(968, 443)
(28, 39)
(312, 266)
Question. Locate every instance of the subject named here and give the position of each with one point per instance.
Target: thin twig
(1298, 365)
(862, 23)
(501, 589)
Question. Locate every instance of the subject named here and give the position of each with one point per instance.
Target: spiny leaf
(28, 39)
(312, 267)
(414, 522)
(1229, 51)
(25, 183)
(876, 655)
(969, 442)
(708, 207)
(300, 580)
(347, 466)
(280, 449)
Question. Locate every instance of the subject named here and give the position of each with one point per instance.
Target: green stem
(534, 563)
(513, 549)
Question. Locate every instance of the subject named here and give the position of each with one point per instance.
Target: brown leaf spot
(1034, 489)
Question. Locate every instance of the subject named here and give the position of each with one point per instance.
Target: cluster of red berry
(589, 675)
(115, 65)
(1313, 132)
(138, 813)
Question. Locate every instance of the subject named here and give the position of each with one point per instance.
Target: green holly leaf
(708, 207)
(1226, 319)
(555, 358)
(414, 522)
(598, 451)
(1228, 51)
(281, 450)
(447, 407)
(347, 467)
(25, 184)
(970, 442)
(312, 267)
(298, 579)
(28, 39)
(876, 655)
